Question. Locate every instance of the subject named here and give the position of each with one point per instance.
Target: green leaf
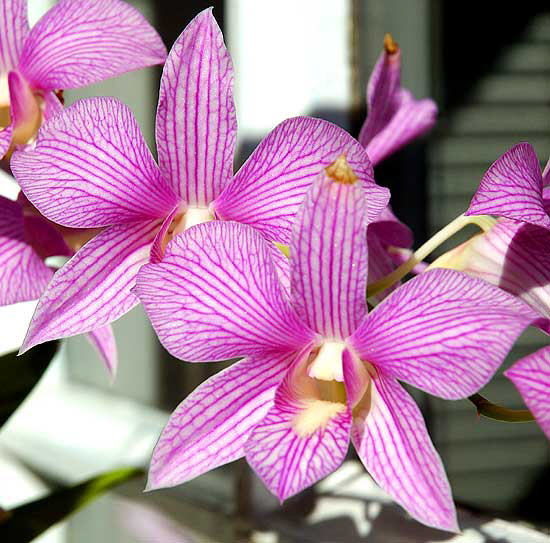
(28, 521)
(19, 374)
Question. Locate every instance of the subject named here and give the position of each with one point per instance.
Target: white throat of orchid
(323, 386)
(185, 219)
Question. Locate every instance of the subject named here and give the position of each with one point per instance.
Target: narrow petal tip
(341, 172)
(390, 46)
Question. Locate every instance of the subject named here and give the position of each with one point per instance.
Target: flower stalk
(496, 412)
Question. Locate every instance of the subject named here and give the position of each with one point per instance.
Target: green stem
(496, 412)
(484, 222)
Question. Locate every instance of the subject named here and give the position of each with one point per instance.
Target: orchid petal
(390, 230)
(78, 43)
(5, 140)
(103, 339)
(210, 427)
(427, 334)
(44, 238)
(394, 117)
(267, 191)
(216, 296)
(329, 257)
(196, 119)
(531, 375)
(23, 274)
(93, 288)
(412, 119)
(392, 441)
(513, 256)
(91, 168)
(14, 28)
(512, 188)
(52, 105)
(287, 452)
(380, 263)
(25, 112)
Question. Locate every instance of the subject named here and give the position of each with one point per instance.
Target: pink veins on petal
(337, 366)
(91, 168)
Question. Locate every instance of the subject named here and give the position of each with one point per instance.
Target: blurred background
(488, 68)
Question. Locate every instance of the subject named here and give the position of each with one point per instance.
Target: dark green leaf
(28, 521)
(19, 374)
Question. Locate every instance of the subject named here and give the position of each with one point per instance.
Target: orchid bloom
(531, 375)
(26, 241)
(75, 43)
(516, 188)
(394, 117)
(318, 369)
(90, 168)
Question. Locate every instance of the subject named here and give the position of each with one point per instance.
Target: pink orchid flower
(90, 168)
(394, 117)
(26, 240)
(318, 370)
(531, 375)
(75, 43)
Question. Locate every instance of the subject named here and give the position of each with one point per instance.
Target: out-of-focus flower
(394, 117)
(91, 168)
(26, 240)
(516, 188)
(531, 375)
(318, 369)
(75, 43)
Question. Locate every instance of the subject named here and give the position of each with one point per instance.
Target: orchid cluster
(293, 265)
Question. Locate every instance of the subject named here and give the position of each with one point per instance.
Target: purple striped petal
(91, 168)
(5, 140)
(216, 295)
(412, 119)
(23, 274)
(196, 119)
(329, 256)
(443, 332)
(392, 441)
(103, 339)
(394, 117)
(210, 427)
(267, 191)
(285, 450)
(390, 230)
(512, 188)
(25, 111)
(93, 288)
(52, 105)
(78, 43)
(513, 256)
(531, 375)
(14, 28)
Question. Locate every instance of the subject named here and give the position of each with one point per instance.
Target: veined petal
(512, 188)
(5, 140)
(531, 375)
(210, 427)
(511, 255)
(52, 105)
(288, 450)
(267, 191)
(25, 112)
(78, 43)
(392, 441)
(14, 28)
(196, 119)
(216, 295)
(103, 339)
(412, 119)
(329, 256)
(443, 332)
(93, 288)
(382, 91)
(91, 168)
(23, 274)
